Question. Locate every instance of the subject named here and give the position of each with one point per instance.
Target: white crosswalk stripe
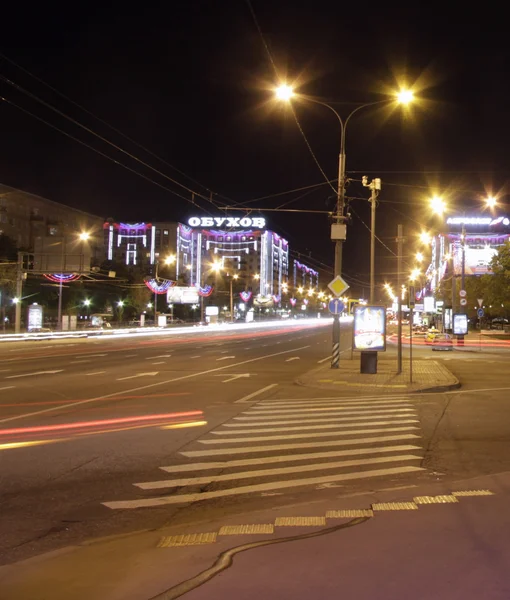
(281, 443)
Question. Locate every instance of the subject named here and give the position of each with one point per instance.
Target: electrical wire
(154, 155)
(268, 197)
(96, 150)
(102, 138)
(273, 64)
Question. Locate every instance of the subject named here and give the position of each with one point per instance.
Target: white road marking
(316, 427)
(197, 356)
(36, 373)
(90, 355)
(330, 403)
(146, 386)
(406, 414)
(324, 360)
(161, 356)
(130, 355)
(299, 411)
(76, 362)
(7, 387)
(225, 357)
(359, 462)
(283, 458)
(340, 401)
(261, 487)
(254, 394)
(138, 375)
(160, 362)
(278, 447)
(232, 377)
(296, 436)
(292, 358)
(5, 370)
(97, 373)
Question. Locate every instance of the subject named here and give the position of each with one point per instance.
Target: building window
(165, 231)
(52, 230)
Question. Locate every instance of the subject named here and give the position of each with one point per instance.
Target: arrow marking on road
(292, 358)
(232, 376)
(225, 357)
(138, 375)
(37, 373)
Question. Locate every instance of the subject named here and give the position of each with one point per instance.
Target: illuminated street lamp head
(425, 237)
(120, 303)
(169, 260)
(84, 236)
(419, 256)
(284, 92)
(256, 276)
(15, 300)
(405, 96)
(216, 266)
(438, 205)
(86, 302)
(491, 201)
(415, 273)
(236, 276)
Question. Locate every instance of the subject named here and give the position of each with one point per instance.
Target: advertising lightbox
(182, 295)
(460, 324)
(369, 328)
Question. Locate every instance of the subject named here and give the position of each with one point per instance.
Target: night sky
(191, 82)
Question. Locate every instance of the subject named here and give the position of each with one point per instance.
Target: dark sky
(190, 81)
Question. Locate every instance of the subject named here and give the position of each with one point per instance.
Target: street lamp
(491, 201)
(438, 205)
(285, 93)
(84, 236)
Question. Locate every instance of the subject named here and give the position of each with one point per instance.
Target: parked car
(499, 323)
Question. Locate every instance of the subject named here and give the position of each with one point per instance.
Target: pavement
(154, 563)
(423, 376)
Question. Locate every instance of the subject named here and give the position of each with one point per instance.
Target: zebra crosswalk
(281, 445)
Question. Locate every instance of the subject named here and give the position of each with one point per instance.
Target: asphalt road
(113, 435)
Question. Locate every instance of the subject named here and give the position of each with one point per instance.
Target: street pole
(19, 293)
(339, 237)
(60, 287)
(231, 301)
(460, 338)
(400, 241)
(410, 343)
(375, 187)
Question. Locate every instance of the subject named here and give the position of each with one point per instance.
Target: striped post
(335, 357)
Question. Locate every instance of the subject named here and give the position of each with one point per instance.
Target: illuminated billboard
(477, 259)
(369, 328)
(460, 324)
(182, 295)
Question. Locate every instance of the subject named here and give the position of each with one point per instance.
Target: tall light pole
(232, 297)
(338, 227)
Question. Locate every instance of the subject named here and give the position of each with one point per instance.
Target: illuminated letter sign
(478, 221)
(229, 222)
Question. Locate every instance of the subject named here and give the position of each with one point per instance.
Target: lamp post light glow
(405, 96)
(438, 205)
(15, 300)
(419, 256)
(284, 92)
(86, 302)
(491, 201)
(232, 297)
(169, 260)
(84, 236)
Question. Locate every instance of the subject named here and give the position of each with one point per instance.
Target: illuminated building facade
(139, 245)
(241, 247)
(481, 236)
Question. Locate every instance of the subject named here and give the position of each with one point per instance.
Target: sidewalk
(427, 376)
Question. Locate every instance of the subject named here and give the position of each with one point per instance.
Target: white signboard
(428, 304)
(228, 222)
(182, 295)
(211, 311)
(35, 316)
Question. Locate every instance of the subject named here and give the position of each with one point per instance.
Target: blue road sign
(480, 312)
(336, 306)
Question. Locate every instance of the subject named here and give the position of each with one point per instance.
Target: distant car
(499, 323)
(442, 341)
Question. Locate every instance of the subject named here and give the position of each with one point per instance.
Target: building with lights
(476, 239)
(139, 246)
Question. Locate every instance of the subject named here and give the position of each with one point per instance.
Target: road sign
(336, 306)
(338, 286)
(480, 312)
(462, 293)
(463, 302)
(412, 296)
(480, 302)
